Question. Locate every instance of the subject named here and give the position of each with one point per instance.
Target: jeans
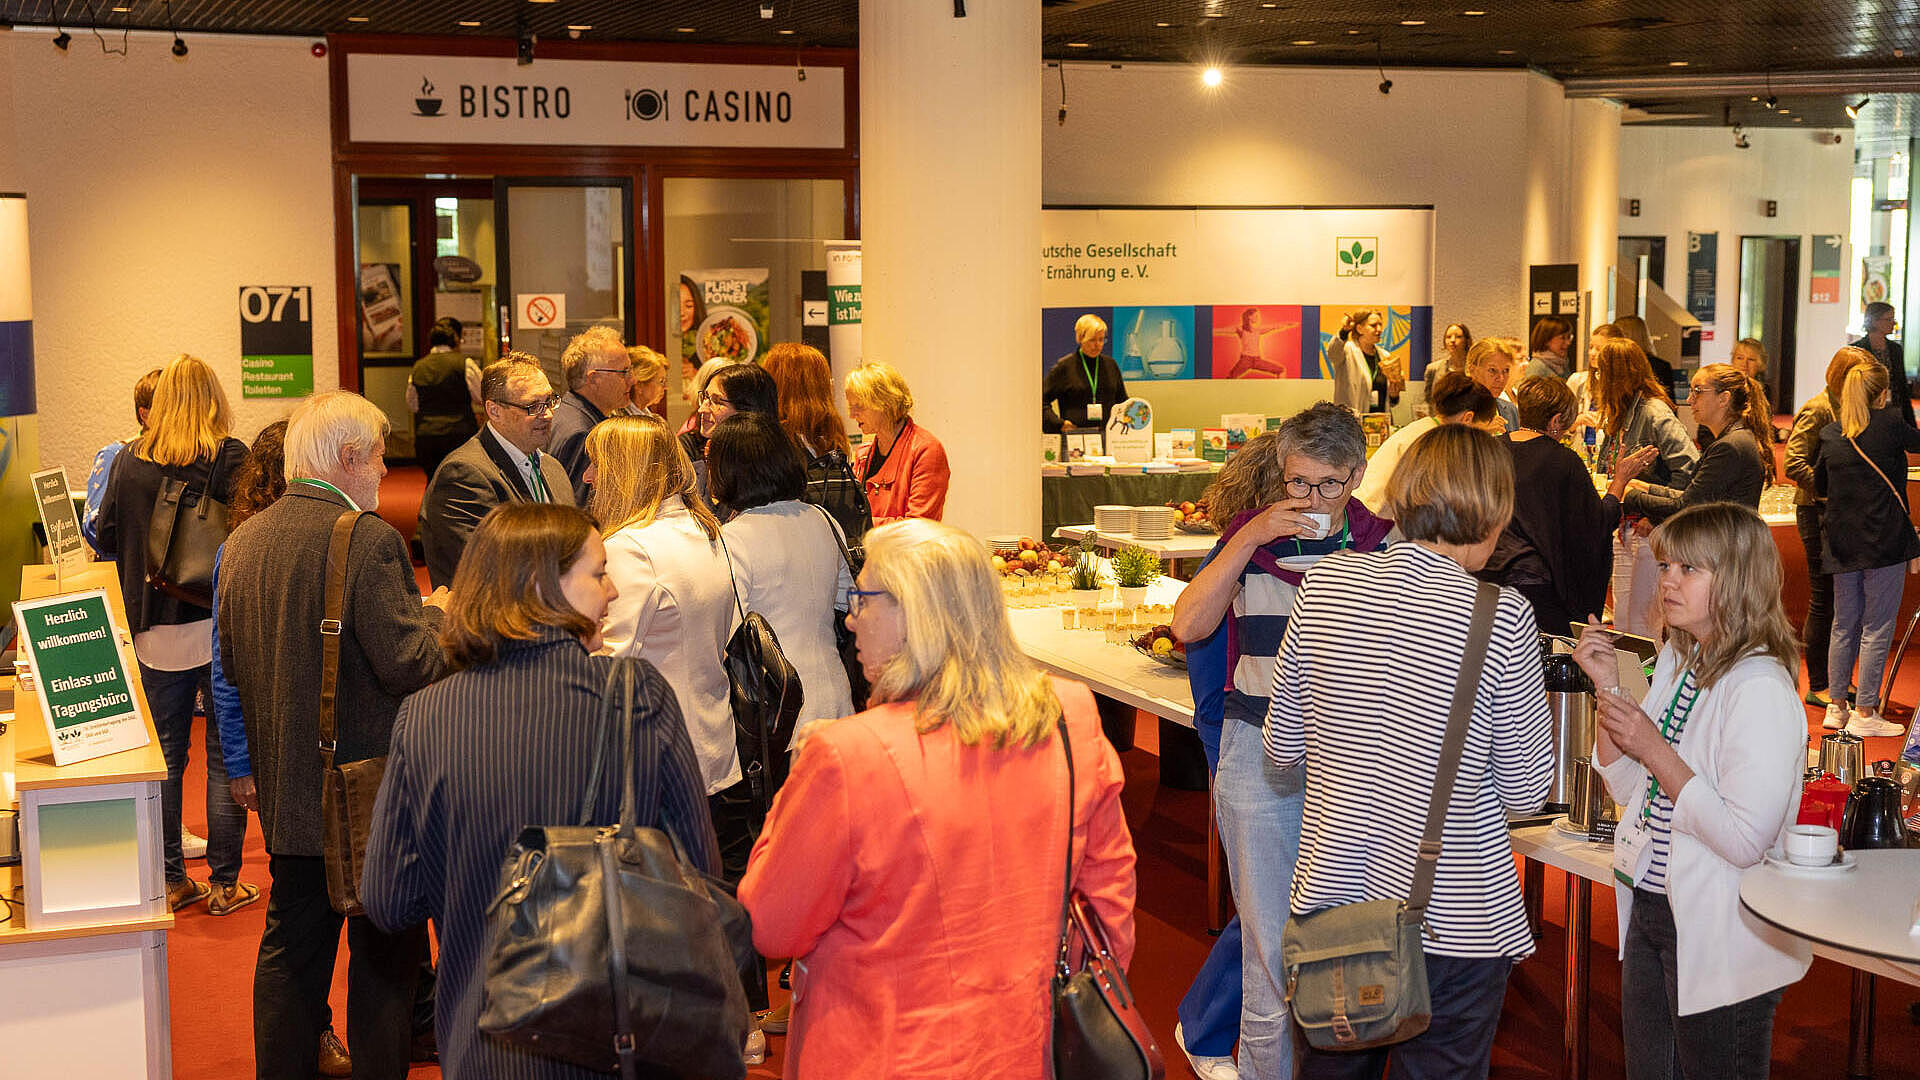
(1467, 995)
(1635, 584)
(1210, 1013)
(1865, 605)
(170, 697)
(295, 971)
(1258, 807)
(1818, 629)
(1732, 1042)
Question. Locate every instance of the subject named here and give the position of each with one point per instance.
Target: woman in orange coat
(912, 864)
(904, 467)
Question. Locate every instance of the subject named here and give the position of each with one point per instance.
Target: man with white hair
(599, 377)
(273, 574)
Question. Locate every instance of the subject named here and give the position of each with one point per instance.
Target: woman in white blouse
(1371, 742)
(1709, 783)
(786, 554)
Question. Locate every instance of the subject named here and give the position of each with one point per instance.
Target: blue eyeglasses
(857, 598)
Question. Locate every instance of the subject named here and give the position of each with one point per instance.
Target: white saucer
(1299, 562)
(1778, 860)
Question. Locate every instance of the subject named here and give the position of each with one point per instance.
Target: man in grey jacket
(272, 599)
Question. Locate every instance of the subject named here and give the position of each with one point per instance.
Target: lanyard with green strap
(1093, 379)
(1672, 722)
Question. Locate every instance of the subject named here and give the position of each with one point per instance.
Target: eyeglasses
(542, 407)
(711, 398)
(1300, 487)
(857, 598)
(624, 373)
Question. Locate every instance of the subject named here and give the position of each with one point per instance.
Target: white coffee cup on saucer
(1812, 845)
(1322, 524)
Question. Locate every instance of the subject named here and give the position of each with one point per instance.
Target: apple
(1186, 507)
(1027, 544)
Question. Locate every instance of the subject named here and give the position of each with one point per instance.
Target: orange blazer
(916, 883)
(913, 480)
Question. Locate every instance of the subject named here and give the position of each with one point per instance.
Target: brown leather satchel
(347, 791)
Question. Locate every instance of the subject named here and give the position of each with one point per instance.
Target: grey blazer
(474, 479)
(272, 595)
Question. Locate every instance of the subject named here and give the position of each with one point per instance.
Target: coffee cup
(1321, 525)
(1811, 845)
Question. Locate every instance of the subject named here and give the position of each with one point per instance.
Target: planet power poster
(1231, 292)
(724, 313)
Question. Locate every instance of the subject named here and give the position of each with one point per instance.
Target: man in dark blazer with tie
(273, 574)
(506, 462)
(599, 378)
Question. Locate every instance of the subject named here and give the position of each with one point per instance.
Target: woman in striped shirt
(1362, 693)
(1709, 782)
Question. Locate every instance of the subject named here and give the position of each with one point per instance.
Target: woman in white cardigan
(1709, 783)
(786, 554)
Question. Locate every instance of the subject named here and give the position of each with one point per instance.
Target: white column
(950, 228)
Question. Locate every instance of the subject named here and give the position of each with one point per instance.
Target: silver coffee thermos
(1570, 701)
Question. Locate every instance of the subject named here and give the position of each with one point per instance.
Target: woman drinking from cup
(1709, 783)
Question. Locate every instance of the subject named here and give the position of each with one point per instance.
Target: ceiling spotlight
(1211, 77)
(1413, 22)
(1853, 110)
(523, 48)
(766, 9)
(179, 47)
(61, 40)
(1771, 102)
(359, 18)
(1676, 63)
(470, 23)
(1386, 86)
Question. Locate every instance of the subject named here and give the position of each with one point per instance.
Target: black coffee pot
(1873, 816)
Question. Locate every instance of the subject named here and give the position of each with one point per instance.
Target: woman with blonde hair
(1083, 385)
(1738, 463)
(1868, 540)
(1708, 788)
(648, 388)
(1637, 417)
(1803, 452)
(902, 465)
(188, 439)
(956, 793)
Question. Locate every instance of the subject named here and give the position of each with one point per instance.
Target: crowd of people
(935, 768)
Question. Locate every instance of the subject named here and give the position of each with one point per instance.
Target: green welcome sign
(86, 696)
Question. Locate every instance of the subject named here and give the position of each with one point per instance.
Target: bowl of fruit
(1192, 517)
(1160, 644)
(1029, 558)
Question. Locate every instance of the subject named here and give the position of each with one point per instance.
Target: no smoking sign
(541, 311)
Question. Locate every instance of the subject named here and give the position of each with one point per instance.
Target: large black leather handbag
(183, 540)
(766, 695)
(606, 949)
(1098, 1031)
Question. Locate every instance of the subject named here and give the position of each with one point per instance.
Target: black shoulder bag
(181, 546)
(605, 949)
(832, 486)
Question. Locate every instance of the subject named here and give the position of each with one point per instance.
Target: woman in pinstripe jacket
(508, 741)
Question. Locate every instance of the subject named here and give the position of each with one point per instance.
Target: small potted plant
(1084, 576)
(1134, 568)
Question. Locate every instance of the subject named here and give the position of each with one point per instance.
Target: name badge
(1631, 840)
(1096, 411)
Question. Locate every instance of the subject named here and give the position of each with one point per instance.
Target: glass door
(565, 262)
(1769, 307)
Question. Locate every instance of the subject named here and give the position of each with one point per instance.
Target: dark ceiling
(1568, 39)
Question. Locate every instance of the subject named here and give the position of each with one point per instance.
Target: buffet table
(1586, 863)
(1065, 500)
(1179, 546)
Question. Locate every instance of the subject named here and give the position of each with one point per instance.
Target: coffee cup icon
(428, 106)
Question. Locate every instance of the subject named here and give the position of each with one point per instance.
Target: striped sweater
(1361, 693)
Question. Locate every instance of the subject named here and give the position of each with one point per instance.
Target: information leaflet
(86, 695)
(64, 542)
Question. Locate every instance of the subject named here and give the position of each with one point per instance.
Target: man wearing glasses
(1244, 590)
(599, 378)
(506, 462)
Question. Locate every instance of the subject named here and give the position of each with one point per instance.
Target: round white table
(1868, 911)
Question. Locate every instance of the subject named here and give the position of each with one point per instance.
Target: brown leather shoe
(333, 1056)
(230, 896)
(185, 893)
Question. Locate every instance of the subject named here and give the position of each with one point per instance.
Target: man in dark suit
(597, 370)
(504, 463)
(271, 606)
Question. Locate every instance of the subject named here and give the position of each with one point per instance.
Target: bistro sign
(403, 98)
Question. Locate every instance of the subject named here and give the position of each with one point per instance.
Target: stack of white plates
(1113, 519)
(1152, 522)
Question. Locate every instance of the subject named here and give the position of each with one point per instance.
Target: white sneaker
(1206, 1068)
(191, 846)
(1868, 723)
(756, 1049)
(1836, 717)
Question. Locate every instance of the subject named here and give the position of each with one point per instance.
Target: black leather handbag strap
(838, 537)
(330, 628)
(1486, 598)
(1066, 891)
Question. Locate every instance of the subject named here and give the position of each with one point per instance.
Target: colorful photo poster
(1408, 336)
(1256, 341)
(724, 313)
(1153, 343)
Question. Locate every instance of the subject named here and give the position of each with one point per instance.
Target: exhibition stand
(83, 955)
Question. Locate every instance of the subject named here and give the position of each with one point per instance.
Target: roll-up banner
(1235, 293)
(19, 426)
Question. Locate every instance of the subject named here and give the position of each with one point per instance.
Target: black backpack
(832, 487)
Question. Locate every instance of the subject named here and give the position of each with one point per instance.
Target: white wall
(157, 188)
(1502, 157)
(1694, 180)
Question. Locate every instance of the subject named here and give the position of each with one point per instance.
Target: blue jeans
(1865, 605)
(170, 697)
(1258, 807)
(1210, 1013)
(1467, 996)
